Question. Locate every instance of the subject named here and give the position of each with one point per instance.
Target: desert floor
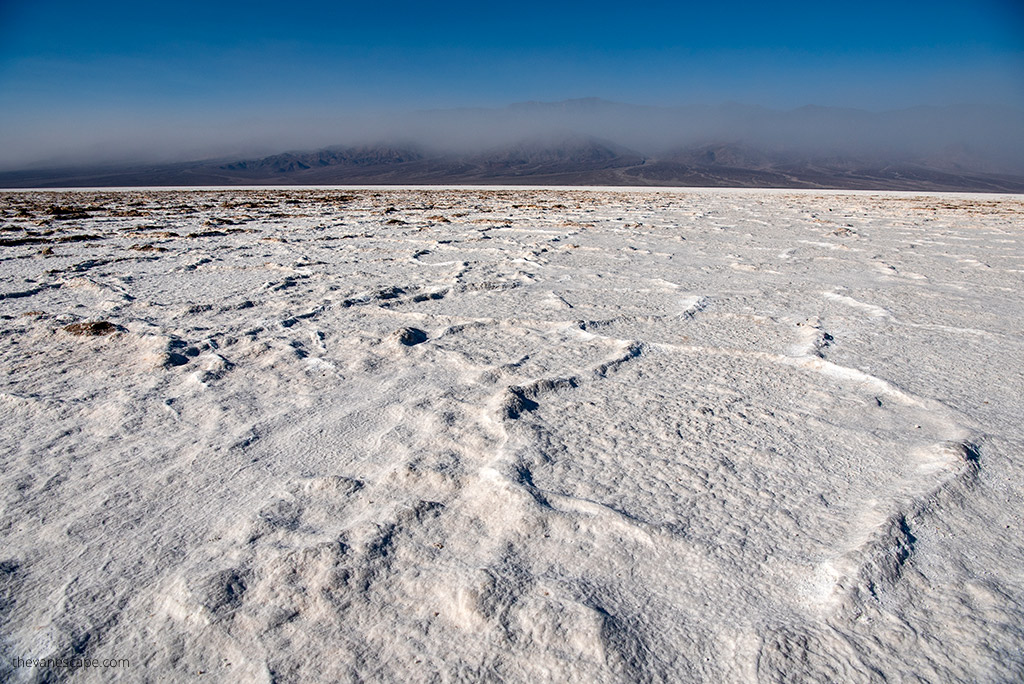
(517, 435)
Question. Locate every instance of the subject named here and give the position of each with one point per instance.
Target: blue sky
(79, 71)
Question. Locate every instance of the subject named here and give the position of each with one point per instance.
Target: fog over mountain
(581, 141)
(993, 133)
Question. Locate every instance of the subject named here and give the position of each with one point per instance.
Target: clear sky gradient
(74, 71)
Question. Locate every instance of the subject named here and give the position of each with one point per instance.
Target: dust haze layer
(518, 435)
(588, 142)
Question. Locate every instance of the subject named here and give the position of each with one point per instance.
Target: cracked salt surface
(512, 434)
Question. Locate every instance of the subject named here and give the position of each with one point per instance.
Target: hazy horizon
(128, 83)
(645, 129)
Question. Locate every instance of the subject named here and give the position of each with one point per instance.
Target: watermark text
(69, 663)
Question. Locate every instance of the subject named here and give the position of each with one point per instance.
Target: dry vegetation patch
(91, 328)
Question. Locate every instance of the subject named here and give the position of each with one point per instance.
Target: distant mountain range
(593, 142)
